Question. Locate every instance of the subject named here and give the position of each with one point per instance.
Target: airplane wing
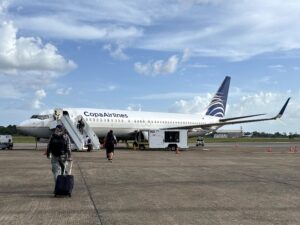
(240, 117)
(234, 120)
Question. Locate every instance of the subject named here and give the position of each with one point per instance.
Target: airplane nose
(33, 127)
(23, 127)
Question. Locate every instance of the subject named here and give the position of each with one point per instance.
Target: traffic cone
(295, 149)
(177, 150)
(269, 149)
(291, 149)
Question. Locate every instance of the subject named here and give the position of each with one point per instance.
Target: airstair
(77, 136)
(73, 132)
(87, 131)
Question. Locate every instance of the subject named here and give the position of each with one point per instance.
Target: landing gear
(200, 142)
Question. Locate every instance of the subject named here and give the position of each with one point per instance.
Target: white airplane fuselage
(123, 123)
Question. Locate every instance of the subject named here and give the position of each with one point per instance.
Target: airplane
(126, 124)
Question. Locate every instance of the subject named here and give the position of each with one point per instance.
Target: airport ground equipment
(141, 139)
(87, 131)
(6, 141)
(77, 137)
(170, 139)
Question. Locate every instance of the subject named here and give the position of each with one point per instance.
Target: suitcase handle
(71, 165)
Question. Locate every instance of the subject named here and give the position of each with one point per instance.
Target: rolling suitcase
(64, 183)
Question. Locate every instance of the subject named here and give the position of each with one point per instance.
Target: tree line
(272, 135)
(11, 129)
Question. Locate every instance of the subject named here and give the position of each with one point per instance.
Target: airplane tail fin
(217, 105)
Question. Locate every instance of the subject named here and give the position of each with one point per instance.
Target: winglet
(283, 108)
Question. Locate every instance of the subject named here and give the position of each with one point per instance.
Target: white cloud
(187, 53)
(296, 68)
(64, 28)
(134, 107)
(27, 64)
(107, 88)
(116, 53)
(278, 68)
(238, 30)
(169, 95)
(268, 80)
(198, 65)
(158, 67)
(63, 91)
(28, 53)
(37, 101)
(195, 105)
(3, 6)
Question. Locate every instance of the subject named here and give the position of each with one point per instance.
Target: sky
(151, 55)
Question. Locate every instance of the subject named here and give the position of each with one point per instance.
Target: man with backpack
(59, 151)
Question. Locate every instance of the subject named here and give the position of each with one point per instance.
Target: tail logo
(216, 106)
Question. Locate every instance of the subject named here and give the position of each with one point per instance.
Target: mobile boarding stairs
(78, 138)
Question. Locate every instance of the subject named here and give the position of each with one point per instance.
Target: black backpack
(58, 145)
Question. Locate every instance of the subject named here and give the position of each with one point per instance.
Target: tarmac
(232, 184)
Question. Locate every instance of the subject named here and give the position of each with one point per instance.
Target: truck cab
(6, 142)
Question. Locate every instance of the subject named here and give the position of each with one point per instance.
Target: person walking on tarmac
(110, 141)
(59, 151)
(88, 143)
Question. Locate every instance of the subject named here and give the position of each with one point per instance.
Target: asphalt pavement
(232, 184)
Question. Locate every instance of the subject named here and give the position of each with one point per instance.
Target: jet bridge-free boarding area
(78, 137)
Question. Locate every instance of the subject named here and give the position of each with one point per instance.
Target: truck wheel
(172, 147)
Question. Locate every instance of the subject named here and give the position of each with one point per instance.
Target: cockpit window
(40, 117)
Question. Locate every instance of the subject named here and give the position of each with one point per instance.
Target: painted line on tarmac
(90, 194)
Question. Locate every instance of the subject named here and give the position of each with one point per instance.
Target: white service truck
(170, 139)
(6, 141)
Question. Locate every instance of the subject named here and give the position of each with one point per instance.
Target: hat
(59, 126)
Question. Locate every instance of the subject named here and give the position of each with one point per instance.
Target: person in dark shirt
(59, 151)
(110, 141)
(80, 125)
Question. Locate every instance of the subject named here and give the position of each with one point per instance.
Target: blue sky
(160, 55)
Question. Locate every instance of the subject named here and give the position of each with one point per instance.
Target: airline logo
(216, 107)
(105, 114)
